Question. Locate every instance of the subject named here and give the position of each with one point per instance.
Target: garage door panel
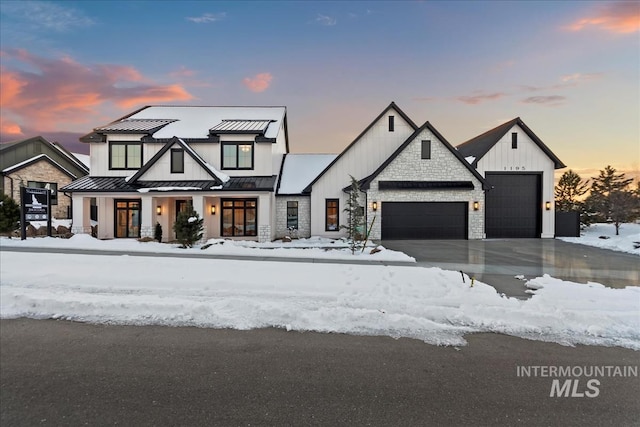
(513, 206)
(424, 220)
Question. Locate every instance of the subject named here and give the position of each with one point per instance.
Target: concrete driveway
(498, 261)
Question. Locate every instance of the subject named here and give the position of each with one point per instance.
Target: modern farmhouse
(232, 164)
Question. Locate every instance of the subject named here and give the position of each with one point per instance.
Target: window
(331, 215)
(426, 149)
(128, 218)
(125, 155)
(514, 140)
(177, 160)
(49, 186)
(237, 155)
(239, 217)
(391, 123)
(292, 215)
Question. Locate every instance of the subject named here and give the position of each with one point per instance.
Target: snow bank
(429, 304)
(625, 242)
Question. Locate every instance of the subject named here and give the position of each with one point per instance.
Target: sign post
(35, 205)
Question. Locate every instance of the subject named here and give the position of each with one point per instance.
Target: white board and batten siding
(527, 158)
(360, 161)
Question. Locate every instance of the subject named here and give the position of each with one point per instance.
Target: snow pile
(314, 248)
(604, 236)
(429, 304)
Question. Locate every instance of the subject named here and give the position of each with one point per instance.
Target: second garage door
(424, 220)
(514, 205)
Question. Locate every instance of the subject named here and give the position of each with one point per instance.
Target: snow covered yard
(604, 236)
(429, 304)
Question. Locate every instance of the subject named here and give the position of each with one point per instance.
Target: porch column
(147, 217)
(199, 206)
(81, 215)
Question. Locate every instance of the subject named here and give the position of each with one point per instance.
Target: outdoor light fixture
(476, 206)
(374, 206)
(159, 210)
(547, 206)
(213, 210)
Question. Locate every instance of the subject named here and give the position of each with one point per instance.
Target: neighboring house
(233, 165)
(519, 168)
(36, 162)
(148, 166)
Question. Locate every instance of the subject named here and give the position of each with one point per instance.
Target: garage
(424, 220)
(514, 205)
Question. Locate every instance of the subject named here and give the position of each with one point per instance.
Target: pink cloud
(477, 99)
(550, 100)
(258, 83)
(182, 72)
(615, 17)
(62, 91)
(9, 128)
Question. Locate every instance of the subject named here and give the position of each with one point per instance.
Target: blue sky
(570, 70)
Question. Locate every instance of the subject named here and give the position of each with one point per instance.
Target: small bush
(9, 214)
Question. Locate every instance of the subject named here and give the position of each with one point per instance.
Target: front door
(128, 218)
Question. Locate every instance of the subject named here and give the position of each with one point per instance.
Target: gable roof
(364, 183)
(391, 106)
(36, 159)
(299, 169)
(217, 176)
(478, 146)
(19, 151)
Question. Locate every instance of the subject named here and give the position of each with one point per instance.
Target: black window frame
(237, 144)
(425, 149)
(175, 152)
(514, 140)
(43, 184)
(326, 214)
(392, 124)
(233, 207)
(292, 206)
(127, 208)
(126, 154)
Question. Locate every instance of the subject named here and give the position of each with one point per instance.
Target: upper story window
(426, 149)
(237, 155)
(177, 160)
(391, 123)
(125, 155)
(49, 186)
(514, 140)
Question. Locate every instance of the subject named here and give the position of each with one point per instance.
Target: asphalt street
(65, 373)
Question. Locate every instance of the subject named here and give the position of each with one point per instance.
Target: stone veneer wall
(443, 166)
(41, 171)
(304, 215)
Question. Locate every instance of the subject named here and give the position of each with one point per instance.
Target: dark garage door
(514, 206)
(424, 220)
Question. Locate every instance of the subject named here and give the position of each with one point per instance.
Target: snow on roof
(300, 169)
(84, 159)
(195, 122)
(470, 159)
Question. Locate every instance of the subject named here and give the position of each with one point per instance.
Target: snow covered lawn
(429, 304)
(625, 242)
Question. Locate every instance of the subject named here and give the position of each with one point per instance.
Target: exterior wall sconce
(159, 210)
(374, 206)
(213, 210)
(547, 206)
(476, 206)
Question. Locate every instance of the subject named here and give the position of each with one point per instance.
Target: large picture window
(128, 218)
(239, 217)
(331, 215)
(49, 186)
(125, 155)
(292, 215)
(237, 155)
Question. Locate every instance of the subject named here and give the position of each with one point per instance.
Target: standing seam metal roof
(234, 126)
(128, 125)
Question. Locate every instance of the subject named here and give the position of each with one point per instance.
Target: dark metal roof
(364, 183)
(391, 106)
(481, 144)
(241, 126)
(119, 185)
(135, 125)
(425, 185)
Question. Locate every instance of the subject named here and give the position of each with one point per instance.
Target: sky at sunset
(570, 70)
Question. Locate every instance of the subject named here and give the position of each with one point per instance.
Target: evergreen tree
(605, 203)
(355, 214)
(9, 214)
(568, 192)
(189, 227)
